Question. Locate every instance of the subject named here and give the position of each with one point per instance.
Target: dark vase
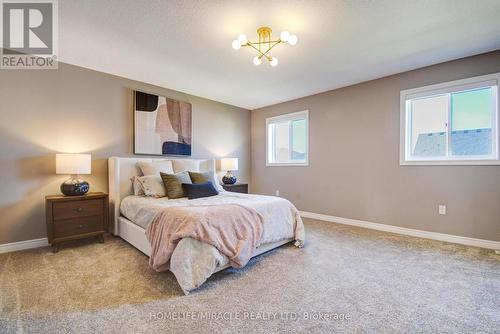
(229, 178)
(75, 187)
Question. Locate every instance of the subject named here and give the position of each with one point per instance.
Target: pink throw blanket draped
(233, 229)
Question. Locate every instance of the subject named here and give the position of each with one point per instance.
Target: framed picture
(162, 126)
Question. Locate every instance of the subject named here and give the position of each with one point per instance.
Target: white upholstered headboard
(121, 171)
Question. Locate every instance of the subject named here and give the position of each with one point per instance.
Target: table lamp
(229, 165)
(74, 165)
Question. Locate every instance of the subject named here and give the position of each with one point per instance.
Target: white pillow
(186, 165)
(152, 185)
(137, 186)
(216, 182)
(155, 167)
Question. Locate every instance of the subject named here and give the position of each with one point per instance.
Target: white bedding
(192, 261)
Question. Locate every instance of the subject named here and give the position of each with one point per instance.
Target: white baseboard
(20, 245)
(490, 244)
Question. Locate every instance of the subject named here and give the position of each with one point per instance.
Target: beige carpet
(346, 279)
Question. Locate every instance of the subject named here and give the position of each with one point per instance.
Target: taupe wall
(78, 110)
(354, 169)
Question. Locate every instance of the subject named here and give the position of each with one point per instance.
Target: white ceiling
(186, 45)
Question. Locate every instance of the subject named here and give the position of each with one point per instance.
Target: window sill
(285, 164)
(491, 162)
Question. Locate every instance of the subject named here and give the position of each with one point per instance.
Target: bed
(192, 261)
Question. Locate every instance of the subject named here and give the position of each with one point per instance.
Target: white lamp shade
(68, 163)
(229, 164)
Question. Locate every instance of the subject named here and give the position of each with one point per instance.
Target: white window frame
(299, 115)
(405, 157)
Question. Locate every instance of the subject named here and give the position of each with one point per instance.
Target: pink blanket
(234, 230)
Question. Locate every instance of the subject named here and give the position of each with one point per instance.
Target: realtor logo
(29, 34)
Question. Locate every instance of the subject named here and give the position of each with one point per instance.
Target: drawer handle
(79, 209)
(80, 226)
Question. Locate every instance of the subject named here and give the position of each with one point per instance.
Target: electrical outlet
(278, 193)
(442, 209)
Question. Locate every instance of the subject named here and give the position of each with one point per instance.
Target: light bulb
(293, 40)
(274, 61)
(243, 39)
(256, 60)
(285, 36)
(236, 44)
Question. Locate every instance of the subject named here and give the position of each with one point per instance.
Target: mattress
(278, 214)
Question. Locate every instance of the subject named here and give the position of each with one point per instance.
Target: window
(454, 123)
(287, 139)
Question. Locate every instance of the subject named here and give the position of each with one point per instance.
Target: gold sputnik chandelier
(265, 44)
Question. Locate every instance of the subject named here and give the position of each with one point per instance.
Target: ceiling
(186, 45)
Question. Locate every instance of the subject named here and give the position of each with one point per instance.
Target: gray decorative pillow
(173, 184)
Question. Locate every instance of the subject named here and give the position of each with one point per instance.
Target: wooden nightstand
(236, 188)
(76, 217)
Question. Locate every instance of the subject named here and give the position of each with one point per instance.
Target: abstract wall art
(162, 126)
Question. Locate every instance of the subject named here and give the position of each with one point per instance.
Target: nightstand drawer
(75, 209)
(67, 228)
